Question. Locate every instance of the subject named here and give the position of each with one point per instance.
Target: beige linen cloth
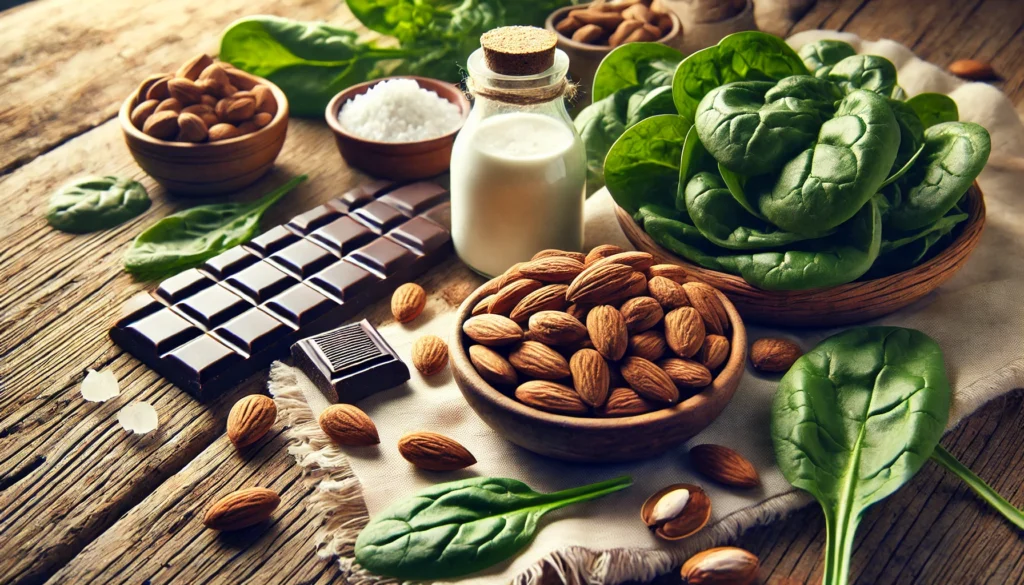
(977, 318)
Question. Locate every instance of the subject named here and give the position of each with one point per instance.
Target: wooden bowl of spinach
(804, 186)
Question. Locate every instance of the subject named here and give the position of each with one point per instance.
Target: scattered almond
(724, 465)
(250, 419)
(726, 565)
(348, 425)
(434, 452)
(429, 355)
(408, 301)
(590, 376)
(492, 367)
(241, 509)
(536, 360)
(492, 330)
(551, 397)
(608, 331)
(972, 69)
(774, 355)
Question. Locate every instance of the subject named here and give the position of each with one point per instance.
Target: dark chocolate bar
(208, 328)
(350, 363)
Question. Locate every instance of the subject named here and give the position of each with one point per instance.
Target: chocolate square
(383, 257)
(261, 282)
(420, 235)
(359, 196)
(253, 331)
(230, 262)
(136, 307)
(378, 216)
(343, 280)
(415, 198)
(213, 306)
(318, 216)
(343, 235)
(303, 259)
(441, 215)
(273, 240)
(183, 285)
(202, 359)
(162, 331)
(300, 305)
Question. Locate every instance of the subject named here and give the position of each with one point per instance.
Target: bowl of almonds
(205, 129)
(603, 356)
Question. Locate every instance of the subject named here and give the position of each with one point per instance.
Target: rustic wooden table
(81, 501)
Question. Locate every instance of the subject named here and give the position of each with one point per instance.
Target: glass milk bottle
(518, 169)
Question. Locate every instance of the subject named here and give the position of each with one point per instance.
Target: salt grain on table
(100, 386)
(138, 417)
(399, 110)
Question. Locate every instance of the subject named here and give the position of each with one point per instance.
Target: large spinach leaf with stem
(90, 204)
(635, 64)
(643, 164)
(934, 108)
(457, 528)
(190, 237)
(820, 56)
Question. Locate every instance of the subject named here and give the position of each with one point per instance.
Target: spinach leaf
(902, 170)
(954, 155)
(911, 132)
(635, 64)
(190, 237)
(737, 188)
(461, 527)
(90, 204)
(643, 164)
(820, 56)
(854, 419)
(903, 250)
(867, 72)
(600, 124)
(934, 108)
(749, 55)
(649, 102)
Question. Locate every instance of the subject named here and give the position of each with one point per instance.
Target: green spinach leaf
(867, 72)
(737, 188)
(90, 204)
(635, 64)
(461, 527)
(820, 56)
(190, 237)
(903, 250)
(643, 164)
(600, 124)
(934, 108)
(649, 102)
(911, 132)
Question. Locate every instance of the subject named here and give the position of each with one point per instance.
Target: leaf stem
(984, 491)
(588, 492)
(272, 197)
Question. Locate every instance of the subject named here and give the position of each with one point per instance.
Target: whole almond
(546, 298)
(705, 299)
(552, 269)
(193, 67)
(578, 256)
(239, 78)
(510, 275)
(724, 565)
(222, 132)
(492, 367)
(649, 345)
(774, 355)
(484, 306)
(169, 105)
(551, 397)
(641, 313)
(622, 32)
(607, 330)
(668, 293)
(266, 103)
(686, 374)
(158, 90)
(247, 127)
(625, 402)
(536, 360)
(239, 109)
(509, 296)
(408, 301)
(556, 328)
(216, 89)
(724, 465)
(241, 509)
(348, 425)
(434, 452)
(185, 91)
(142, 112)
(191, 128)
(714, 352)
(162, 125)
(215, 72)
(205, 113)
(596, 284)
(590, 376)
(143, 89)
(492, 330)
(602, 251)
(648, 380)
(639, 261)
(262, 119)
(429, 355)
(684, 331)
(972, 69)
(672, 272)
(250, 419)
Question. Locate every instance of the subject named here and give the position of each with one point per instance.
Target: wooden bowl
(209, 168)
(844, 304)
(596, 439)
(400, 161)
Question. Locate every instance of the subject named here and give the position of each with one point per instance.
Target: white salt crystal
(100, 386)
(138, 417)
(399, 110)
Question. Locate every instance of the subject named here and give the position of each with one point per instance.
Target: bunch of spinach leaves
(855, 418)
(794, 171)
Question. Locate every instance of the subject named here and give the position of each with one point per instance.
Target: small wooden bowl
(400, 161)
(208, 168)
(844, 304)
(596, 439)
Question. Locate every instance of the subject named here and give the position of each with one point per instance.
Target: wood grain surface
(83, 501)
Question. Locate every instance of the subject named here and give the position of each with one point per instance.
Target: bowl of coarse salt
(399, 128)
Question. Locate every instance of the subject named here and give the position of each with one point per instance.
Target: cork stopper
(519, 50)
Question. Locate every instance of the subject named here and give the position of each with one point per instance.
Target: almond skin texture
(726, 565)
(552, 269)
(649, 345)
(546, 298)
(649, 381)
(185, 91)
(608, 331)
(641, 313)
(241, 509)
(639, 261)
(972, 69)
(192, 68)
(668, 293)
(266, 103)
(492, 330)
(556, 328)
(158, 90)
(579, 311)
(577, 256)
(484, 306)
(510, 275)
(597, 283)
(590, 376)
(705, 299)
(551, 397)
(774, 355)
(434, 452)
(170, 104)
(191, 128)
(724, 465)
(240, 109)
(672, 272)
(142, 112)
(714, 352)
(492, 367)
(686, 374)
(408, 301)
(684, 331)
(509, 296)
(250, 419)
(429, 355)
(162, 125)
(347, 425)
(223, 132)
(625, 402)
(602, 251)
(536, 360)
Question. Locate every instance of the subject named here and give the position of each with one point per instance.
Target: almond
(348, 425)
(602, 251)
(492, 367)
(239, 78)
(215, 72)
(706, 300)
(648, 380)
(724, 565)
(158, 90)
(408, 301)
(247, 127)
(191, 128)
(649, 345)
(222, 132)
(266, 103)
(162, 125)
(434, 452)
(556, 328)
(537, 360)
(590, 376)
(429, 354)
(597, 283)
(972, 69)
(492, 330)
(238, 110)
(668, 293)
(724, 465)
(143, 89)
(219, 89)
(250, 419)
(714, 352)
(169, 105)
(636, 286)
(509, 296)
(241, 509)
(262, 119)
(684, 331)
(142, 112)
(552, 269)
(578, 256)
(510, 275)
(547, 298)
(774, 355)
(686, 374)
(193, 67)
(641, 313)
(639, 261)
(672, 272)
(551, 397)
(484, 306)
(208, 100)
(625, 402)
(579, 311)
(608, 331)
(185, 91)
